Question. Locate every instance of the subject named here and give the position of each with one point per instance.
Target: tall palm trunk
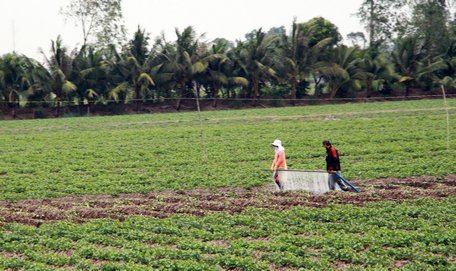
(256, 90)
(80, 104)
(371, 24)
(137, 94)
(317, 81)
(57, 109)
(14, 109)
(58, 93)
(370, 89)
(333, 91)
(243, 93)
(180, 94)
(197, 88)
(407, 90)
(216, 88)
(294, 89)
(5, 109)
(89, 105)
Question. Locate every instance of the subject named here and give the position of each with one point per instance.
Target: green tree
(447, 74)
(413, 66)
(357, 38)
(321, 29)
(129, 78)
(101, 21)
(377, 71)
(297, 56)
(162, 70)
(90, 76)
(139, 64)
(19, 78)
(182, 61)
(60, 65)
(324, 35)
(138, 46)
(430, 24)
(343, 72)
(254, 57)
(382, 18)
(219, 72)
(407, 58)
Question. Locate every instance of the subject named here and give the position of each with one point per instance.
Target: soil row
(201, 202)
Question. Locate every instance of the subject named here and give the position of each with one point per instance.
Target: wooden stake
(447, 118)
(202, 136)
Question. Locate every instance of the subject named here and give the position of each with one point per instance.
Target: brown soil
(200, 202)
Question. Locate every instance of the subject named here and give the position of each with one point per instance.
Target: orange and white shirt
(280, 161)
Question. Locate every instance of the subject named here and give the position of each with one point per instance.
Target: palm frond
(145, 79)
(218, 77)
(239, 81)
(68, 86)
(403, 79)
(199, 67)
(114, 93)
(448, 81)
(84, 73)
(91, 93)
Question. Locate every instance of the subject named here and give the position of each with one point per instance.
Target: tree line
(412, 45)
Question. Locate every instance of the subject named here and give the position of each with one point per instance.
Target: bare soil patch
(200, 202)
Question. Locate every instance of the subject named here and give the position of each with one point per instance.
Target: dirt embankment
(201, 202)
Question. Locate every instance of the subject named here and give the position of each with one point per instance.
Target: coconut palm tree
(117, 87)
(255, 59)
(60, 64)
(138, 45)
(182, 60)
(17, 79)
(140, 64)
(447, 74)
(90, 76)
(378, 70)
(407, 57)
(162, 70)
(413, 67)
(297, 58)
(131, 75)
(218, 72)
(343, 72)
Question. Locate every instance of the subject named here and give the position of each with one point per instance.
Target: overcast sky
(28, 25)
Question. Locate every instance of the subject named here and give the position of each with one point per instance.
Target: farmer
(333, 166)
(279, 163)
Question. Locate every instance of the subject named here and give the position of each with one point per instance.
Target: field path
(200, 202)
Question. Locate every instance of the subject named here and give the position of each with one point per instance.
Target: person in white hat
(279, 162)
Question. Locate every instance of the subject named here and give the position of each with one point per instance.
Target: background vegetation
(411, 46)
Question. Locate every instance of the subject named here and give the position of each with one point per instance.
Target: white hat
(277, 143)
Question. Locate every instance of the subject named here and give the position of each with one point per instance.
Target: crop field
(168, 192)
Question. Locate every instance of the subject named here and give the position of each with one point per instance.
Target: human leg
(340, 183)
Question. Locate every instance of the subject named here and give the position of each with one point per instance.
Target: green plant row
(138, 158)
(418, 234)
(224, 114)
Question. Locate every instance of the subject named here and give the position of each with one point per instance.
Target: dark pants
(275, 176)
(334, 179)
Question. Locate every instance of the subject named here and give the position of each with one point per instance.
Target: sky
(28, 26)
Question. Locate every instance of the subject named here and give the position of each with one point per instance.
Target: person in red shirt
(279, 163)
(333, 166)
